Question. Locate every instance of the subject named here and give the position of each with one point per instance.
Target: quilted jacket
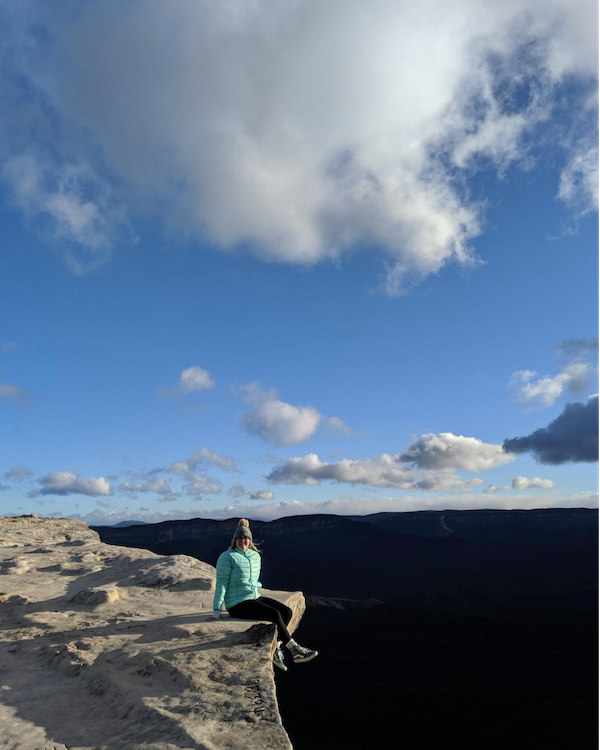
(237, 578)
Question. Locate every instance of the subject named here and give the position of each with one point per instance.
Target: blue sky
(272, 259)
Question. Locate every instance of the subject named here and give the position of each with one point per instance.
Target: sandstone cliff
(109, 648)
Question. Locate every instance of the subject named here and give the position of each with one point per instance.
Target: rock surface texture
(109, 648)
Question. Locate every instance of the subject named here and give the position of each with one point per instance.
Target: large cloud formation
(572, 436)
(381, 471)
(428, 465)
(298, 129)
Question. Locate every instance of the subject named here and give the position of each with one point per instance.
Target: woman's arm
(223, 575)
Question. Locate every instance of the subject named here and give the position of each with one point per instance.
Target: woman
(237, 584)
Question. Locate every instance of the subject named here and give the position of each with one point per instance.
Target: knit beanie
(243, 529)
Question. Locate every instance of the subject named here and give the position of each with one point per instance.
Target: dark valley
(475, 629)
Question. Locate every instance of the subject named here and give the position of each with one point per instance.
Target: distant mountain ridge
(434, 559)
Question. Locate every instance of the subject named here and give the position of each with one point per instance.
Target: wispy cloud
(200, 484)
(18, 473)
(523, 483)
(14, 396)
(578, 186)
(575, 350)
(203, 457)
(158, 486)
(236, 491)
(491, 489)
(58, 195)
(533, 391)
(261, 495)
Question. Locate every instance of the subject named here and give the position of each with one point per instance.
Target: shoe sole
(280, 666)
(306, 658)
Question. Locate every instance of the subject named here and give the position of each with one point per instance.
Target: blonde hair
(244, 523)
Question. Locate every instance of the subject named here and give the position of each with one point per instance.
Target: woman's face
(242, 543)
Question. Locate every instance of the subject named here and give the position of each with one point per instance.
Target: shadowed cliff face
(458, 629)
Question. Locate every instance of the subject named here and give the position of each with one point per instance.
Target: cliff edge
(109, 648)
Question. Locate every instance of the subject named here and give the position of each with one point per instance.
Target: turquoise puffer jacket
(237, 578)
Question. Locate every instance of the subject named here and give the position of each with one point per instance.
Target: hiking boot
(278, 658)
(300, 653)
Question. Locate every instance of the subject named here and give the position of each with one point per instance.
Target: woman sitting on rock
(238, 569)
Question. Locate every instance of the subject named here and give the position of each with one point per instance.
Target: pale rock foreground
(109, 648)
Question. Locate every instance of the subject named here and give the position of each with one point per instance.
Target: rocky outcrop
(109, 648)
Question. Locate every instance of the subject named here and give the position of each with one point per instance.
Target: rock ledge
(109, 648)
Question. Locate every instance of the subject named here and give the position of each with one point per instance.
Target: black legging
(267, 609)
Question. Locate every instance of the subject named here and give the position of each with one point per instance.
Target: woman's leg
(255, 609)
(284, 610)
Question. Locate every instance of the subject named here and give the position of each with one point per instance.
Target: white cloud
(448, 451)
(4, 487)
(14, 396)
(201, 458)
(252, 123)
(70, 483)
(195, 379)
(19, 473)
(159, 486)
(380, 471)
(8, 347)
(532, 391)
(578, 186)
(59, 195)
(491, 488)
(199, 484)
(575, 350)
(522, 483)
(278, 422)
(338, 427)
(261, 495)
(236, 490)
(447, 481)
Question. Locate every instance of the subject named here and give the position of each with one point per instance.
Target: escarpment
(109, 648)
